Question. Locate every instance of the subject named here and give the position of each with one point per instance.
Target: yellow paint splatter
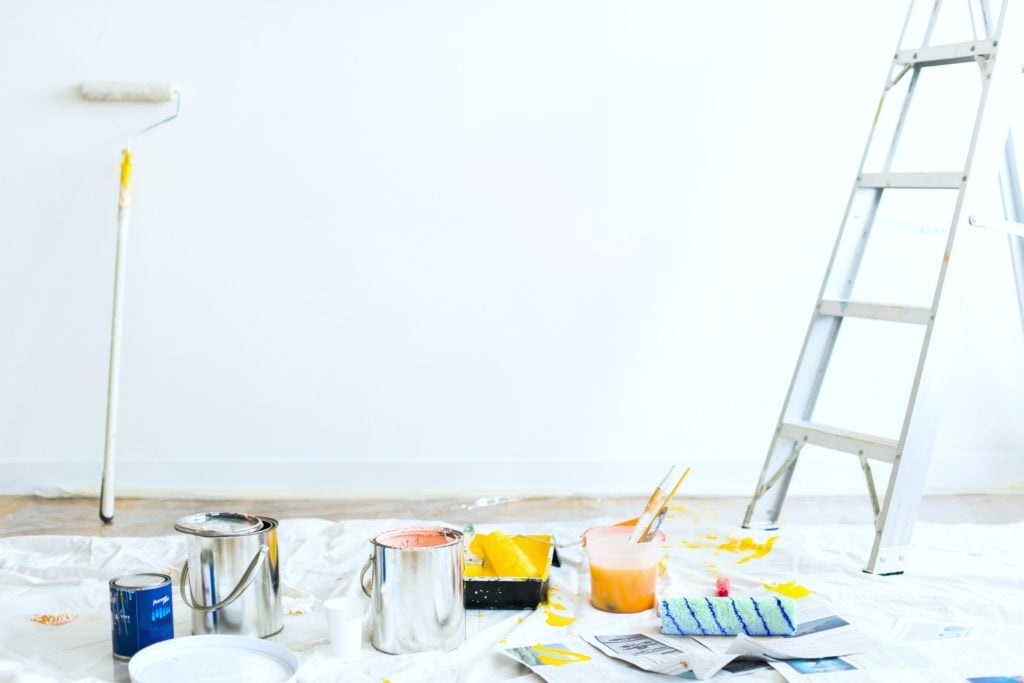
(295, 612)
(748, 544)
(519, 620)
(691, 545)
(791, 589)
(555, 619)
(503, 641)
(662, 568)
(712, 537)
(53, 619)
(557, 657)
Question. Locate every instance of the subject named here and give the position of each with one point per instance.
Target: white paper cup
(345, 625)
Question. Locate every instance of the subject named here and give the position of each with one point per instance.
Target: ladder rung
(874, 447)
(938, 55)
(917, 315)
(917, 181)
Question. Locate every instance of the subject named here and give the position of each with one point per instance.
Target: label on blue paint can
(140, 612)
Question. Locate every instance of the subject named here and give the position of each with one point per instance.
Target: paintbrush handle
(653, 504)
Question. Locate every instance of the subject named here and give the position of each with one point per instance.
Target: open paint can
(230, 578)
(416, 590)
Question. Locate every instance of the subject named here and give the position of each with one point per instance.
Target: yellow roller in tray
(514, 574)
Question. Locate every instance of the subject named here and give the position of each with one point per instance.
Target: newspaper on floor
(916, 630)
(672, 655)
(975, 660)
(923, 651)
(571, 660)
(821, 633)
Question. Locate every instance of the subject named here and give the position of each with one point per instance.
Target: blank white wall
(449, 245)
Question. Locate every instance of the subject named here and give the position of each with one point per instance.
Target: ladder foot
(897, 573)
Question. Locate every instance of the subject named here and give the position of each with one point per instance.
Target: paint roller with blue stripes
(762, 615)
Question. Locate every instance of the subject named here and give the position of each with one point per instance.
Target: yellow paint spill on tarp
(791, 589)
(557, 657)
(662, 568)
(53, 619)
(555, 619)
(748, 544)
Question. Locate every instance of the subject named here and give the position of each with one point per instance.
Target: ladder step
(938, 55)
(874, 447)
(917, 315)
(914, 181)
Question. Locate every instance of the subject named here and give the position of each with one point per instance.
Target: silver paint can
(416, 590)
(230, 578)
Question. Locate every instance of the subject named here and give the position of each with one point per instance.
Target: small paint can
(140, 612)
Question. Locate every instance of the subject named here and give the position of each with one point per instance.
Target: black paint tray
(513, 592)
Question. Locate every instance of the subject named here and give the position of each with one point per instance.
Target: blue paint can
(140, 612)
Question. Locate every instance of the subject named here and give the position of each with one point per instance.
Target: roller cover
(127, 91)
(754, 616)
(503, 556)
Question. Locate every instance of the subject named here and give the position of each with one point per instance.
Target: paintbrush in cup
(653, 505)
(655, 523)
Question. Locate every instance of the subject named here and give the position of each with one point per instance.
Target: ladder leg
(773, 484)
(895, 521)
(1013, 210)
(766, 505)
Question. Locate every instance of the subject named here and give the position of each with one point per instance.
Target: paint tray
(513, 592)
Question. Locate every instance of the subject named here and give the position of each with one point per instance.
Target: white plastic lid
(219, 658)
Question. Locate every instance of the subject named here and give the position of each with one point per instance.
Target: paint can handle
(250, 573)
(362, 576)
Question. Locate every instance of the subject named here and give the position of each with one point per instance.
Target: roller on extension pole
(122, 91)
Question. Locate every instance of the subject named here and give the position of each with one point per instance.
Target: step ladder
(999, 69)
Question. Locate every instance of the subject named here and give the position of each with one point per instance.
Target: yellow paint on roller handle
(125, 198)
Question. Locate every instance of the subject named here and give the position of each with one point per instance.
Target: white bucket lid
(219, 524)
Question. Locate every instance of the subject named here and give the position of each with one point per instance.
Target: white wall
(522, 245)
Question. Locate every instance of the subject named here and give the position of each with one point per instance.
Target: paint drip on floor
(791, 589)
(555, 619)
(53, 619)
(747, 544)
(556, 656)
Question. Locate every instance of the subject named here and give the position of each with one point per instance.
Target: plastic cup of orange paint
(622, 574)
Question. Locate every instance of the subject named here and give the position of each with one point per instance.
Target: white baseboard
(950, 473)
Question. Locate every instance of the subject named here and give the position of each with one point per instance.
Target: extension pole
(124, 203)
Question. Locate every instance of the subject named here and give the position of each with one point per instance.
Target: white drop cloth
(958, 573)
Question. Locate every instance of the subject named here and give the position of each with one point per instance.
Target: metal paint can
(140, 612)
(416, 590)
(230, 578)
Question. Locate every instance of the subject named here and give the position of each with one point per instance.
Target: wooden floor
(25, 515)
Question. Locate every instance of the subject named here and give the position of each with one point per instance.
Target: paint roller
(122, 91)
(768, 615)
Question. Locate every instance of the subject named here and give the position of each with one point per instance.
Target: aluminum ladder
(908, 454)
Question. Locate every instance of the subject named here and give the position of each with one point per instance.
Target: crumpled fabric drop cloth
(958, 573)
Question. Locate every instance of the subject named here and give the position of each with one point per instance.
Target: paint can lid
(219, 524)
(140, 580)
